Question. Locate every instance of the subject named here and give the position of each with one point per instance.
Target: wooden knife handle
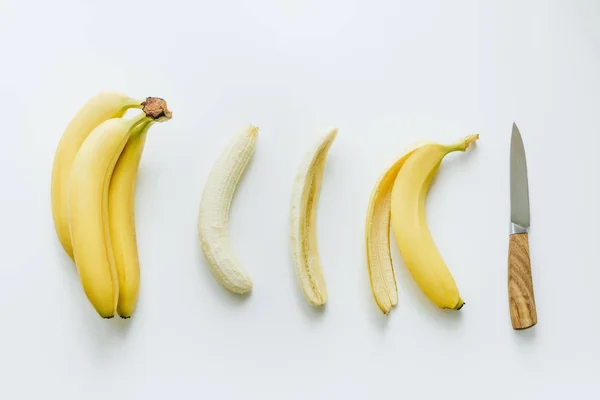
(520, 285)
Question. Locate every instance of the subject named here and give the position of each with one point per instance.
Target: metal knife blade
(519, 188)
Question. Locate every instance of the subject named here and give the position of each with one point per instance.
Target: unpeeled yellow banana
(121, 217)
(88, 202)
(103, 106)
(409, 223)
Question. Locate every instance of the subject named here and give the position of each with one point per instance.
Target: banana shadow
(65, 261)
(446, 319)
(116, 324)
(208, 279)
(378, 318)
(122, 326)
(312, 313)
(100, 333)
(103, 341)
(375, 315)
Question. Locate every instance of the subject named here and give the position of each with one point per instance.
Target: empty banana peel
(303, 217)
(377, 235)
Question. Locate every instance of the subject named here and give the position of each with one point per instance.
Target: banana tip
(252, 130)
(472, 138)
(464, 144)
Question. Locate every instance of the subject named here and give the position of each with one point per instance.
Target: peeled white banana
(88, 201)
(103, 106)
(213, 216)
(410, 228)
(377, 235)
(303, 218)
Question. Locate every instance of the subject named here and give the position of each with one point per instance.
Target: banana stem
(139, 122)
(463, 144)
(137, 106)
(156, 108)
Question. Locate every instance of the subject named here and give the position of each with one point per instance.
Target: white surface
(385, 75)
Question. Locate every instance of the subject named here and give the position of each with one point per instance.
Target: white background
(386, 74)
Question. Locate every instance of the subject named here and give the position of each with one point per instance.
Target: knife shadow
(524, 337)
(208, 279)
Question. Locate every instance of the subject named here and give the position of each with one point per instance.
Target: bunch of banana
(93, 185)
(399, 195)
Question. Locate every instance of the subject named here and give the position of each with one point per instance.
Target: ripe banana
(121, 217)
(213, 216)
(377, 235)
(409, 223)
(88, 203)
(103, 106)
(303, 218)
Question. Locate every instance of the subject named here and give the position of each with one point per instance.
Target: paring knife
(520, 285)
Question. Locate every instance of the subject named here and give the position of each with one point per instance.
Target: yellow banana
(88, 203)
(377, 235)
(103, 106)
(121, 199)
(409, 223)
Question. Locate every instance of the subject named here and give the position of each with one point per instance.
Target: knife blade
(523, 312)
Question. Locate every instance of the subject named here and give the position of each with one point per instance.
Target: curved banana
(121, 217)
(303, 218)
(213, 216)
(377, 235)
(409, 223)
(88, 204)
(103, 106)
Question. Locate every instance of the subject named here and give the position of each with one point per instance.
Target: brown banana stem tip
(156, 108)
